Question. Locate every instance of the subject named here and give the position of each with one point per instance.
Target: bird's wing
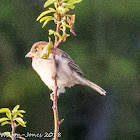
(71, 63)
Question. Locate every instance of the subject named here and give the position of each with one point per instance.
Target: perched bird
(68, 73)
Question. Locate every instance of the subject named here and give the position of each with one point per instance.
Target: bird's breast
(45, 70)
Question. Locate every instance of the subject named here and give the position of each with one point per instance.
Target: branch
(13, 129)
(62, 21)
(55, 108)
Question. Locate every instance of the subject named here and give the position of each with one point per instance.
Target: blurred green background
(107, 48)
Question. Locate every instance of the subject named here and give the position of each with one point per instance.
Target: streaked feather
(71, 63)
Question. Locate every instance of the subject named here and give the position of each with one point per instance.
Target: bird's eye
(35, 49)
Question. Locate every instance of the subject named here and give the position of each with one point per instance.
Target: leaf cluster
(59, 15)
(14, 115)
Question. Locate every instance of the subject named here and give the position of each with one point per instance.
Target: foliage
(59, 16)
(14, 118)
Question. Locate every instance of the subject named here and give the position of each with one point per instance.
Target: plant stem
(55, 111)
(13, 129)
(55, 108)
(57, 42)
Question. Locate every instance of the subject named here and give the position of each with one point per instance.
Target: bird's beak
(29, 54)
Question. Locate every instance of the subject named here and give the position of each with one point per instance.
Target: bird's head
(38, 49)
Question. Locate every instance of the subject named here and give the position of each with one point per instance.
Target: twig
(56, 43)
(21, 138)
(55, 108)
(13, 129)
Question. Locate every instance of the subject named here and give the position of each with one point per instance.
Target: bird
(68, 73)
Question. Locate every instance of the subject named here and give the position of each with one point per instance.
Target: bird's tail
(86, 82)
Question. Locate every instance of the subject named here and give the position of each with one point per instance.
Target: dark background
(107, 48)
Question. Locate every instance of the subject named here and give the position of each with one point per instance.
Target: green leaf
(50, 45)
(61, 10)
(67, 6)
(55, 33)
(66, 25)
(50, 18)
(19, 114)
(45, 18)
(4, 123)
(51, 32)
(73, 1)
(48, 2)
(8, 114)
(70, 6)
(4, 110)
(21, 111)
(21, 122)
(15, 109)
(55, 5)
(3, 119)
(45, 56)
(43, 14)
(52, 9)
